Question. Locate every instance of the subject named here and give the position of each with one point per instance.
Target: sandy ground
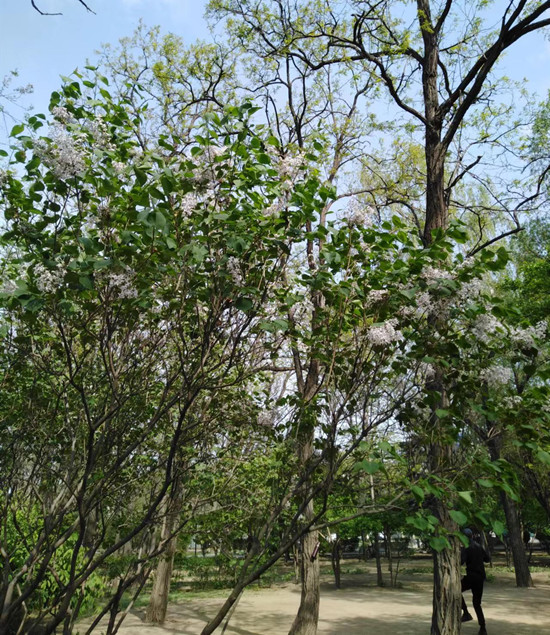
(358, 609)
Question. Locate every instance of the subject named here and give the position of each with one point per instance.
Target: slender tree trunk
(307, 617)
(389, 555)
(158, 602)
(336, 568)
(521, 565)
(379, 574)
(514, 539)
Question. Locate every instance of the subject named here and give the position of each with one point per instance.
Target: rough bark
(521, 565)
(307, 617)
(305, 622)
(158, 602)
(514, 539)
(446, 611)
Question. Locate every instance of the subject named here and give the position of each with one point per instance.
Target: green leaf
(544, 457)
(17, 129)
(370, 467)
(498, 527)
(441, 413)
(244, 304)
(439, 543)
(458, 517)
(160, 220)
(418, 492)
(86, 282)
(485, 483)
(466, 495)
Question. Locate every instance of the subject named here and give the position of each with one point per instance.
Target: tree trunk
(446, 613)
(307, 617)
(379, 575)
(158, 602)
(521, 566)
(387, 547)
(514, 540)
(336, 568)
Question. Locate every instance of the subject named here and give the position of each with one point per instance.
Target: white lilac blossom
(374, 296)
(290, 166)
(64, 155)
(122, 283)
(265, 419)
(424, 303)
(61, 114)
(496, 376)
(8, 287)
(274, 208)
(512, 402)
(471, 290)
(529, 336)
(119, 167)
(49, 280)
(485, 326)
(384, 334)
(433, 274)
(358, 214)
(234, 268)
(188, 204)
(100, 134)
(426, 370)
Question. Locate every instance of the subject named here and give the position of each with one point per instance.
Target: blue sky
(44, 47)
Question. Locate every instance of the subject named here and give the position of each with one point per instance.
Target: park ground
(359, 607)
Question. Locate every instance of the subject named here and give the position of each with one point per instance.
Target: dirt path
(358, 610)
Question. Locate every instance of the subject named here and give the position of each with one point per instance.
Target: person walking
(474, 556)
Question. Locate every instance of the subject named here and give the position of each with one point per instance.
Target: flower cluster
(48, 280)
(432, 275)
(495, 376)
(384, 334)
(375, 296)
(289, 167)
(122, 284)
(188, 204)
(61, 114)
(485, 326)
(64, 155)
(358, 214)
(100, 134)
(265, 419)
(427, 371)
(529, 336)
(234, 268)
(512, 402)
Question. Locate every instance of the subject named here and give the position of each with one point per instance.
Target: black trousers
(475, 583)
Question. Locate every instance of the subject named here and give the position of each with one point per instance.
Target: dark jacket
(473, 556)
